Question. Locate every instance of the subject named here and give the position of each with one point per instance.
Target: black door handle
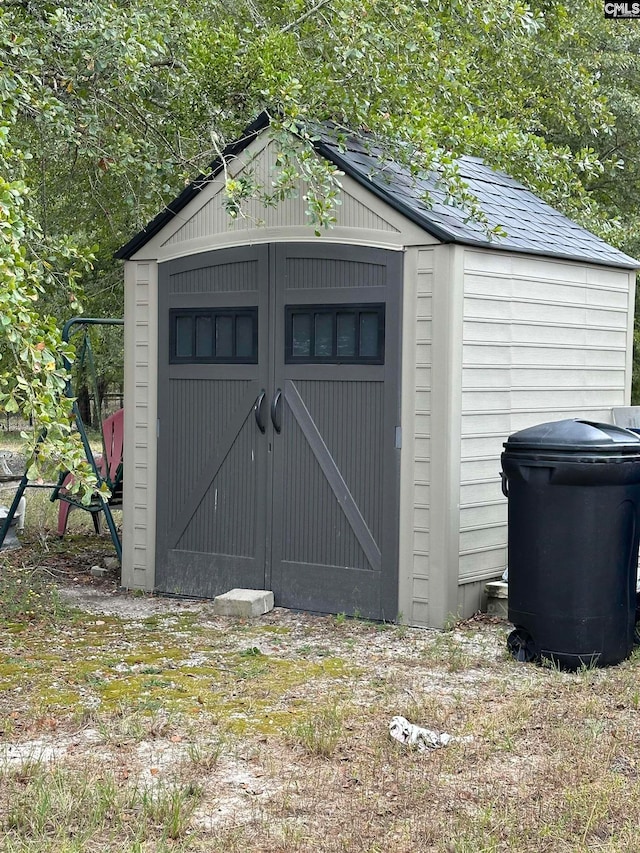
(257, 410)
(276, 411)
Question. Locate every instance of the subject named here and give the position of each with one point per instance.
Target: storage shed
(324, 416)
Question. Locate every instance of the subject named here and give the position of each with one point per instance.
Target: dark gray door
(212, 457)
(335, 465)
(309, 507)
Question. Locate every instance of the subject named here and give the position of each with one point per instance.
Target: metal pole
(66, 332)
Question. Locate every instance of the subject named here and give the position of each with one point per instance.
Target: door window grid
(334, 334)
(213, 336)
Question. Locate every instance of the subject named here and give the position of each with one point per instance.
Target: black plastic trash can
(574, 527)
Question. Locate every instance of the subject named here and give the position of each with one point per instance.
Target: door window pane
(204, 337)
(346, 334)
(335, 334)
(244, 336)
(224, 337)
(323, 346)
(184, 337)
(368, 334)
(209, 335)
(301, 335)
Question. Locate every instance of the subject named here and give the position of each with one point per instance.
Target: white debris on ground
(419, 738)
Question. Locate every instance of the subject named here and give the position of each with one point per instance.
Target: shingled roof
(532, 226)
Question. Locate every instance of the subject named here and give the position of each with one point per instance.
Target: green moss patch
(169, 662)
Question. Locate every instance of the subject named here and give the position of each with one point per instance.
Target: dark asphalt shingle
(531, 225)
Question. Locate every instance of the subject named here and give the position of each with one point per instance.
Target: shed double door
(278, 404)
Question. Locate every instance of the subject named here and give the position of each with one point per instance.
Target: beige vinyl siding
(406, 587)
(437, 326)
(416, 441)
(139, 495)
(543, 340)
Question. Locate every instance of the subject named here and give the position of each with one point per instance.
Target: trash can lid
(575, 435)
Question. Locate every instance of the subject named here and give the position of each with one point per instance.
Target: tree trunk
(84, 404)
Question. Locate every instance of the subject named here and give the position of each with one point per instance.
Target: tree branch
(169, 63)
(304, 17)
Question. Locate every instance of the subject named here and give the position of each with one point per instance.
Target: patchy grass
(28, 594)
(61, 808)
(175, 730)
(319, 732)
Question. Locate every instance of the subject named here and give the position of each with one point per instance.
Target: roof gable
(532, 226)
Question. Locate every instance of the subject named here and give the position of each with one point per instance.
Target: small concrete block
(497, 599)
(99, 572)
(497, 589)
(243, 603)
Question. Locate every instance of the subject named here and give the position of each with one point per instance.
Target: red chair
(110, 468)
